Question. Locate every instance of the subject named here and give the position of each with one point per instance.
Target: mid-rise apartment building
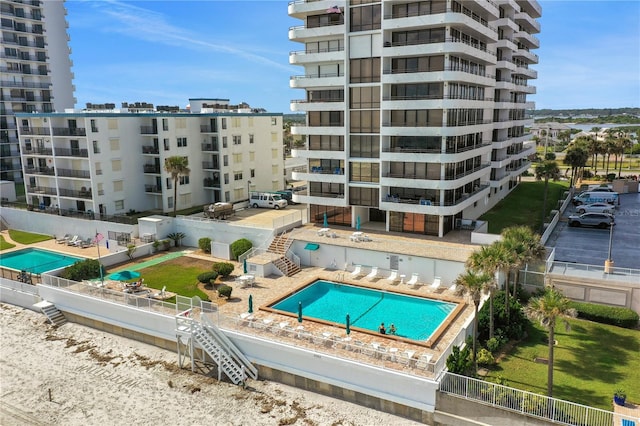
(415, 111)
(109, 161)
(35, 70)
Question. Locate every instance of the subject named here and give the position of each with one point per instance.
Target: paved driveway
(591, 245)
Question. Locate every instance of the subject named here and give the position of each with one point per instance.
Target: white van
(589, 197)
(267, 200)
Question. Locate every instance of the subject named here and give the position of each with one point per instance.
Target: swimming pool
(415, 318)
(36, 261)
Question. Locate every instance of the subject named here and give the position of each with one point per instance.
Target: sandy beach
(75, 375)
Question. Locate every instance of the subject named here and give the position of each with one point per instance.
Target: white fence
(528, 403)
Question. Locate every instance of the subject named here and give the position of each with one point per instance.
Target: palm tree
(576, 157)
(547, 309)
(547, 170)
(525, 245)
(176, 166)
(474, 284)
(610, 147)
(487, 260)
(623, 142)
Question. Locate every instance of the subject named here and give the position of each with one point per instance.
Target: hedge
(622, 317)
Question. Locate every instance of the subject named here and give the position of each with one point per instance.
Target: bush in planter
(619, 397)
(166, 244)
(223, 269)
(240, 246)
(225, 291)
(205, 244)
(177, 238)
(207, 277)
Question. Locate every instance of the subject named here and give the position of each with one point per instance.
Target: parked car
(601, 220)
(602, 189)
(596, 208)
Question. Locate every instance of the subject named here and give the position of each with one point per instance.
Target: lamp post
(608, 264)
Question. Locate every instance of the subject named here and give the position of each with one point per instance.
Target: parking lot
(591, 245)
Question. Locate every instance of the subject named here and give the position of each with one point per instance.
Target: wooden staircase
(279, 245)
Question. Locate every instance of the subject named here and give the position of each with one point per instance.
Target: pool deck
(267, 289)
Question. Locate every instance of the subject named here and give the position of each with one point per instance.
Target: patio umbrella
(124, 275)
(358, 223)
(250, 304)
(244, 266)
(299, 311)
(326, 222)
(348, 324)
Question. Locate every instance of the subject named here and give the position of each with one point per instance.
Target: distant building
(35, 68)
(542, 130)
(108, 161)
(416, 111)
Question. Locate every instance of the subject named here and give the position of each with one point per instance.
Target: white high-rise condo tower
(415, 111)
(35, 67)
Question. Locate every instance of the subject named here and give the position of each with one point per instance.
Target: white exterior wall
(115, 171)
(58, 53)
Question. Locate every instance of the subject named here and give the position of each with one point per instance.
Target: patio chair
(358, 346)
(436, 283)
(423, 361)
(414, 279)
(86, 243)
(62, 240)
(373, 274)
(393, 277)
(357, 272)
(453, 288)
(73, 241)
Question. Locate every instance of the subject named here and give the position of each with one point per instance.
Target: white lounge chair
(393, 277)
(62, 240)
(373, 274)
(414, 279)
(423, 361)
(453, 288)
(436, 283)
(357, 272)
(73, 241)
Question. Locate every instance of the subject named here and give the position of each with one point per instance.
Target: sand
(75, 375)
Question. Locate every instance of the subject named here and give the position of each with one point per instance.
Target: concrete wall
(614, 293)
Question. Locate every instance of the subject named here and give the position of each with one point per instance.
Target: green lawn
(591, 361)
(4, 244)
(178, 279)
(524, 206)
(27, 237)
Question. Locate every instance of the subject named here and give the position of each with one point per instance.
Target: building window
(365, 70)
(250, 122)
(237, 176)
(169, 182)
(184, 180)
(224, 141)
(96, 148)
(237, 158)
(275, 170)
(326, 118)
(326, 143)
(170, 202)
(166, 144)
(252, 173)
(235, 122)
(165, 124)
(224, 123)
(225, 160)
(416, 118)
(118, 186)
(237, 139)
(365, 97)
(94, 126)
(274, 153)
(250, 138)
(364, 196)
(325, 20)
(252, 156)
(112, 124)
(114, 144)
(116, 165)
(365, 146)
(274, 121)
(365, 18)
(226, 178)
(365, 121)
(118, 205)
(182, 142)
(365, 172)
(227, 196)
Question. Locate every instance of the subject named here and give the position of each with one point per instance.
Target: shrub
(484, 357)
(131, 249)
(205, 244)
(622, 317)
(460, 362)
(83, 270)
(513, 329)
(225, 291)
(207, 277)
(240, 246)
(493, 344)
(223, 269)
(177, 237)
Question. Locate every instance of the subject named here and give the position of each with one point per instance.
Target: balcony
(321, 199)
(82, 193)
(80, 174)
(42, 190)
(211, 183)
(323, 105)
(72, 152)
(205, 128)
(316, 80)
(35, 131)
(151, 168)
(68, 131)
(302, 8)
(148, 130)
(37, 151)
(153, 189)
(46, 171)
(301, 32)
(321, 55)
(208, 165)
(530, 24)
(150, 149)
(209, 147)
(524, 36)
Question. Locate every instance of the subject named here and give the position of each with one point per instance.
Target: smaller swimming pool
(415, 318)
(36, 260)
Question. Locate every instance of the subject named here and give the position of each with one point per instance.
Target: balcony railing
(82, 174)
(42, 190)
(148, 130)
(439, 40)
(151, 168)
(443, 9)
(326, 75)
(153, 189)
(72, 152)
(210, 165)
(205, 128)
(37, 151)
(37, 131)
(47, 171)
(67, 131)
(209, 147)
(86, 193)
(148, 149)
(208, 182)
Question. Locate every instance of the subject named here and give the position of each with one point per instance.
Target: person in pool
(381, 329)
(392, 329)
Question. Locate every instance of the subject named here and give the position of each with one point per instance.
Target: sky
(167, 51)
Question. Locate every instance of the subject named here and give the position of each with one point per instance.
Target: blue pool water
(414, 317)
(36, 261)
